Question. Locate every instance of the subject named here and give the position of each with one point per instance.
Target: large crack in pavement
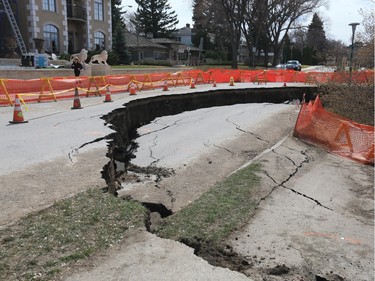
(161, 129)
(154, 143)
(298, 166)
(245, 131)
(75, 151)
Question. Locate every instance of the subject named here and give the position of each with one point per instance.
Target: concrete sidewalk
(317, 220)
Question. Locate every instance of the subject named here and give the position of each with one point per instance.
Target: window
(99, 41)
(51, 37)
(160, 55)
(98, 10)
(49, 5)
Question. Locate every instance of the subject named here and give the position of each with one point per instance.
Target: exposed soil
(355, 102)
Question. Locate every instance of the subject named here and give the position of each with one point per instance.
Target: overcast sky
(336, 18)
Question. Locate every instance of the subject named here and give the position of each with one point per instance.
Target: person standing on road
(77, 66)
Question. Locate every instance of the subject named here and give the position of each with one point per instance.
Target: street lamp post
(354, 26)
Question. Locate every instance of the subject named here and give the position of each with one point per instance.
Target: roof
(142, 42)
(165, 41)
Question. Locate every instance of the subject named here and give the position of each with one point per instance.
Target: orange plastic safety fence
(224, 75)
(335, 133)
(119, 83)
(5, 97)
(249, 75)
(63, 87)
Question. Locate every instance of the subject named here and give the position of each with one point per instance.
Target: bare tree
(234, 11)
(267, 22)
(262, 23)
(209, 17)
(365, 55)
(336, 51)
(282, 15)
(254, 26)
(203, 13)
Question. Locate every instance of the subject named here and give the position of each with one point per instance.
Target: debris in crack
(124, 153)
(218, 255)
(159, 172)
(157, 212)
(279, 270)
(332, 277)
(157, 207)
(109, 175)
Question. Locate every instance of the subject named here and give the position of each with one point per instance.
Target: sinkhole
(126, 120)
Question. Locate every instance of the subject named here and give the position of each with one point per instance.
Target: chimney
(188, 25)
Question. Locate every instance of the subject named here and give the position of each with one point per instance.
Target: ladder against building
(14, 25)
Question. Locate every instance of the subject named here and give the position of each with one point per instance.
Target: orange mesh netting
(63, 87)
(335, 133)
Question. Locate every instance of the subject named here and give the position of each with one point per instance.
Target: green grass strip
(43, 244)
(218, 212)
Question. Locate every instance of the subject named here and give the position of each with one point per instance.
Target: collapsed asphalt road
(314, 219)
(144, 256)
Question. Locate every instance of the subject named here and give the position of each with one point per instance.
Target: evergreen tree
(156, 17)
(120, 46)
(116, 16)
(316, 39)
(118, 35)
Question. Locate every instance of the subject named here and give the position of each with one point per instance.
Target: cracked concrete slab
(144, 256)
(290, 228)
(193, 138)
(219, 152)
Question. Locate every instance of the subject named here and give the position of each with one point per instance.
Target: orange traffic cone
(231, 81)
(17, 113)
(107, 96)
(76, 102)
(192, 84)
(132, 90)
(165, 87)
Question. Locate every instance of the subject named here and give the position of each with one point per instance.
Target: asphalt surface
(316, 217)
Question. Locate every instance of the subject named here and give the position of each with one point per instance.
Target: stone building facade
(66, 26)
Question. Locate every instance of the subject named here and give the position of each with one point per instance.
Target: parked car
(294, 65)
(281, 66)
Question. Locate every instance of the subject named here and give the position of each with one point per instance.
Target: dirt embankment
(355, 102)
